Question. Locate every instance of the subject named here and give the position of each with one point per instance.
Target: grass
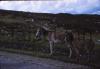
(97, 47)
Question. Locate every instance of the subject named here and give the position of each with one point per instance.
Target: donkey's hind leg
(69, 51)
(51, 47)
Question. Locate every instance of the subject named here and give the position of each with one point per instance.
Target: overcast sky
(57, 6)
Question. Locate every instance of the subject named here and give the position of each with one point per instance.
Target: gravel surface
(19, 61)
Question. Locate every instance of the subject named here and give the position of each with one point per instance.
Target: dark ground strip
(17, 61)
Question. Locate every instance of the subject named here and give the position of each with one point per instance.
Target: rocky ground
(19, 61)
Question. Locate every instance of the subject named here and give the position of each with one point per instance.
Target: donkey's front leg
(51, 47)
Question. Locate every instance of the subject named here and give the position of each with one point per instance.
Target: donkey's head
(40, 33)
(43, 30)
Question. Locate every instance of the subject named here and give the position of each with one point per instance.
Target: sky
(54, 6)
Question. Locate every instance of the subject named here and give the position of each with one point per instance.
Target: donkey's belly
(56, 41)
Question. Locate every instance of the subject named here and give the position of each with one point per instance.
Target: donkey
(56, 36)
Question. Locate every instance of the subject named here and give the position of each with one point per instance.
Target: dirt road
(19, 61)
